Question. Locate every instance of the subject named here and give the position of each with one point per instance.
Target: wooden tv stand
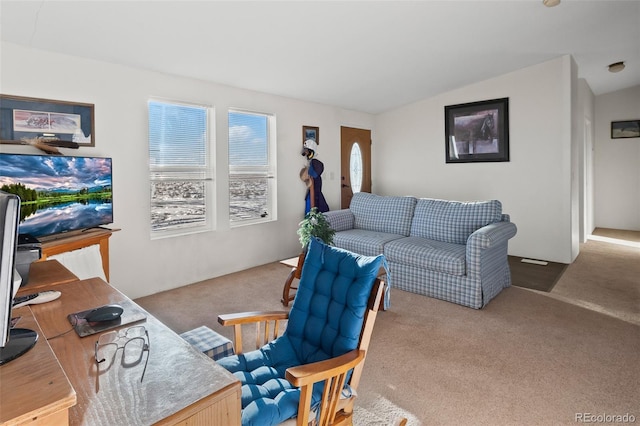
(181, 386)
(78, 240)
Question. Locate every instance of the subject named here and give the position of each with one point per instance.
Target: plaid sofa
(450, 250)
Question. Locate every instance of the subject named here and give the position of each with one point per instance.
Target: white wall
(537, 186)
(534, 187)
(617, 162)
(585, 134)
(140, 266)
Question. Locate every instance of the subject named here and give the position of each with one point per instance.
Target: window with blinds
(180, 168)
(251, 167)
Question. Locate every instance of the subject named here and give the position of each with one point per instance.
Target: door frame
(348, 137)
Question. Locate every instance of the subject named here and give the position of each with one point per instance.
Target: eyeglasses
(133, 341)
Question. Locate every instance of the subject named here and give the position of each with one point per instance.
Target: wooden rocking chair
(334, 407)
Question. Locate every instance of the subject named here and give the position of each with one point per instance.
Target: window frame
(268, 171)
(204, 173)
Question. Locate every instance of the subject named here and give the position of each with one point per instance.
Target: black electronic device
(22, 339)
(104, 313)
(14, 342)
(19, 301)
(29, 251)
(84, 327)
(59, 193)
(28, 240)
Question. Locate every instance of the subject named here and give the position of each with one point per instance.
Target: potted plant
(315, 224)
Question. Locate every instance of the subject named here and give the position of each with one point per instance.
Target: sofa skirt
(461, 290)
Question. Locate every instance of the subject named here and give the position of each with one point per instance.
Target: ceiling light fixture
(616, 67)
(551, 3)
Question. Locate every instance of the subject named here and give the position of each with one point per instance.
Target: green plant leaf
(315, 224)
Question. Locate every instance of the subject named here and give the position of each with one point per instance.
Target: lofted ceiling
(370, 56)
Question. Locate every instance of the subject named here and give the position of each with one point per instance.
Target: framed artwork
(625, 129)
(30, 118)
(309, 132)
(477, 131)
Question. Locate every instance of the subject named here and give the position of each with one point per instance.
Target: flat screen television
(59, 193)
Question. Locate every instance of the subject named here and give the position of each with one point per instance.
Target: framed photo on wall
(310, 132)
(28, 118)
(477, 131)
(625, 129)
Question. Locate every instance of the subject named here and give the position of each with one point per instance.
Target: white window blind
(251, 168)
(177, 135)
(179, 166)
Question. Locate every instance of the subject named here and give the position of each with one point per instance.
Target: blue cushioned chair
(303, 372)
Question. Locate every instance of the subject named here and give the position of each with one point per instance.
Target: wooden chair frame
(333, 372)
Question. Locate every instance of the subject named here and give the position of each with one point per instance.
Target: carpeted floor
(529, 357)
(605, 277)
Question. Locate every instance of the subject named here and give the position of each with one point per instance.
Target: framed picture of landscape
(24, 118)
(625, 129)
(310, 132)
(477, 131)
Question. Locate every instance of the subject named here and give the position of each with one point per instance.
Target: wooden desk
(181, 385)
(45, 275)
(33, 388)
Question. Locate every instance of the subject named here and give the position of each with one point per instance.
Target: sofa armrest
(492, 234)
(340, 220)
(487, 247)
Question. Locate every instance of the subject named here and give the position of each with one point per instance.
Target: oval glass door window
(355, 168)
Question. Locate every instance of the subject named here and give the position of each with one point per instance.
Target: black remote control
(19, 300)
(35, 298)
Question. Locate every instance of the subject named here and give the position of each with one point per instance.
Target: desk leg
(286, 298)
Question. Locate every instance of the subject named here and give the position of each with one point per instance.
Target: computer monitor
(14, 342)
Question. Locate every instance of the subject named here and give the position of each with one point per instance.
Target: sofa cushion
(382, 214)
(453, 221)
(368, 243)
(428, 254)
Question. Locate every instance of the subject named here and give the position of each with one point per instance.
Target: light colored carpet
(524, 359)
(605, 277)
(527, 358)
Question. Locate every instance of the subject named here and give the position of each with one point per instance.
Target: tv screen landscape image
(58, 193)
